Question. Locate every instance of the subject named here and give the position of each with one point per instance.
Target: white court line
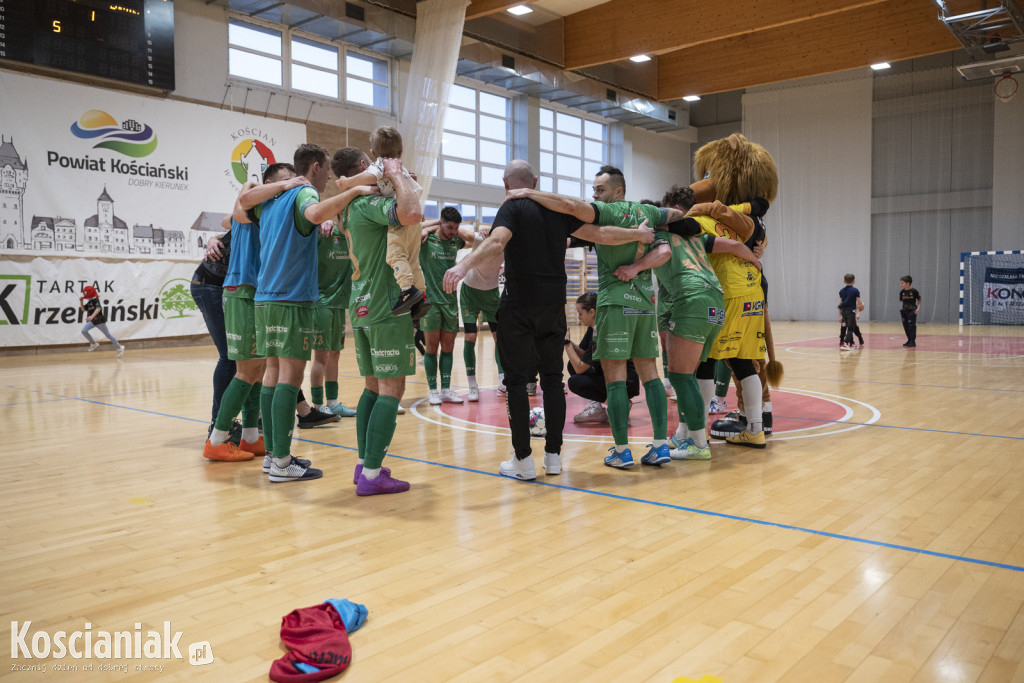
(976, 358)
(494, 429)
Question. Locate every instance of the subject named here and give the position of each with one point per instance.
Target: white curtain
(431, 74)
(819, 226)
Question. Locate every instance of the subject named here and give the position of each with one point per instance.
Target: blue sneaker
(676, 444)
(341, 410)
(621, 460)
(656, 456)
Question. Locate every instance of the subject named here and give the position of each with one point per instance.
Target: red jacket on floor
(316, 636)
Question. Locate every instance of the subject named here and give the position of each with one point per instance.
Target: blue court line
(642, 501)
(913, 429)
(901, 384)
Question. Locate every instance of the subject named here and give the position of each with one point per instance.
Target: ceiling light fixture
(881, 66)
(640, 58)
(519, 10)
(692, 98)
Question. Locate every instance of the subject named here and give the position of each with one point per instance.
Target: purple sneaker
(359, 470)
(382, 484)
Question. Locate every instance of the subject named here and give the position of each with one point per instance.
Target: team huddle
(298, 262)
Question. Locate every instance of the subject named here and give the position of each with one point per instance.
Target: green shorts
(328, 329)
(443, 315)
(699, 318)
(622, 333)
(284, 330)
(240, 328)
(479, 302)
(386, 349)
(664, 310)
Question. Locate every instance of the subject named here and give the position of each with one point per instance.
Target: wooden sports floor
(879, 537)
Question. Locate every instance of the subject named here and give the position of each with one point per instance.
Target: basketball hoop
(1006, 87)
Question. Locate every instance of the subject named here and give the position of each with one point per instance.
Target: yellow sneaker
(746, 438)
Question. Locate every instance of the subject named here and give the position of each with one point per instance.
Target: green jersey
(689, 267)
(334, 270)
(436, 256)
(611, 291)
(374, 290)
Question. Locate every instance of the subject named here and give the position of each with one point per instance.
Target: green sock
(723, 373)
(251, 407)
(317, 394)
(285, 398)
(430, 365)
(497, 359)
(618, 412)
(447, 361)
(231, 403)
(469, 357)
(664, 360)
(380, 429)
(688, 398)
(363, 410)
(267, 410)
(332, 390)
(657, 404)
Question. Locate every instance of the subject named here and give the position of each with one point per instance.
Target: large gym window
(277, 56)
(477, 141)
(572, 149)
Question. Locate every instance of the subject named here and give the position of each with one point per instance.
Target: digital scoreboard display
(125, 40)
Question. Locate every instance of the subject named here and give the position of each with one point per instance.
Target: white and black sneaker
(268, 462)
(293, 472)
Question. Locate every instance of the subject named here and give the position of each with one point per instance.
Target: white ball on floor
(538, 427)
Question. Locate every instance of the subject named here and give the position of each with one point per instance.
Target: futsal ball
(538, 427)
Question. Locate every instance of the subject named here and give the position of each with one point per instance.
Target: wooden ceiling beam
(618, 30)
(892, 31)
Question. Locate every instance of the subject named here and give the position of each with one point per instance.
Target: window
(280, 57)
(477, 141)
(572, 149)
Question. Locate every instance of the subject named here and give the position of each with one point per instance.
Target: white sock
(682, 432)
(318, 406)
(331, 402)
(250, 434)
(218, 436)
(700, 437)
(707, 392)
(767, 407)
(619, 449)
(472, 381)
(371, 474)
(361, 462)
(501, 378)
(752, 402)
(658, 443)
(283, 462)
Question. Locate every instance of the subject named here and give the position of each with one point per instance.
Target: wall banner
(39, 300)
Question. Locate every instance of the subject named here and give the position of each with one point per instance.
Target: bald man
(531, 314)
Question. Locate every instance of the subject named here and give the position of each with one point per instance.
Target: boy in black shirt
(910, 299)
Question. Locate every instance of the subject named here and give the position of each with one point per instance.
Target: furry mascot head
(734, 170)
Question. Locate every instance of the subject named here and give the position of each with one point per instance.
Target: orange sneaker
(227, 452)
(257, 447)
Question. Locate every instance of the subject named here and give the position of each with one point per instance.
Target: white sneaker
(719, 405)
(502, 389)
(552, 463)
(518, 469)
(448, 396)
(595, 412)
(670, 391)
(474, 394)
(93, 346)
(401, 409)
(531, 388)
(120, 351)
(434, 398)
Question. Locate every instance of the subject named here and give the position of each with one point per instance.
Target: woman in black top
(207, 290)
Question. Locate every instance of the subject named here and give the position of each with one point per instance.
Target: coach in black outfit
(531, 315)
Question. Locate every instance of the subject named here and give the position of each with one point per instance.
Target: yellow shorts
(742, 336)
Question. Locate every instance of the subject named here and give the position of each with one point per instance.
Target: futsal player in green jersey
(385, 351)
(334, 269)
(441, 323)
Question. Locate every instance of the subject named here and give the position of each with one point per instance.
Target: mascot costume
(738, 177)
